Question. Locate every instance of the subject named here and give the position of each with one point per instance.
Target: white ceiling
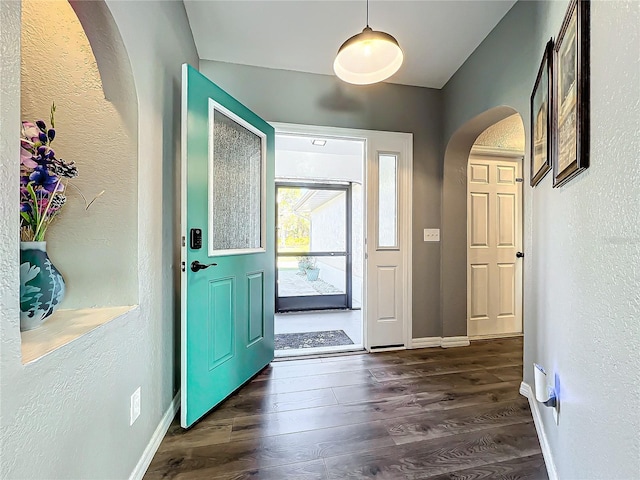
(304, 35)
(334, 146)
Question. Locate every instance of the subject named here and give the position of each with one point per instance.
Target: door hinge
(519, 180)
(184, 241)
(183, 267)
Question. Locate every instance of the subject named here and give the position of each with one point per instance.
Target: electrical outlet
(135, 406)
(431, 234)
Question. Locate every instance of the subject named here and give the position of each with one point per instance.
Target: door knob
(519, 254)
(197, 266)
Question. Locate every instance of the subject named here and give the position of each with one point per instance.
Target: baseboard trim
(386, 349)
(525, 391)
(495, 336)
(444, 342)
(448, 342)
(426, 342)
(156, 439)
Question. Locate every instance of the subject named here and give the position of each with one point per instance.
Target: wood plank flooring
(416, 414)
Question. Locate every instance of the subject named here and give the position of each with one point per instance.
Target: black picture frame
(571, 94)
(541, 118)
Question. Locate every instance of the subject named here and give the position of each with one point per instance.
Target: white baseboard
(156, 439)
(426, 342)
(444, 342)
(525, 390)
(448, 342)
(495, 336)
(385, 349)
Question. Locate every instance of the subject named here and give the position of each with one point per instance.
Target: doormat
(328, 338)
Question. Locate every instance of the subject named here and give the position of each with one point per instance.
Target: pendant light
(368, 57)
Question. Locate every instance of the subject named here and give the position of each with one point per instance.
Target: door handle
(197, 266)
(519, 254)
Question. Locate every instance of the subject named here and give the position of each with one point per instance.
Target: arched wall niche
(74, 56)
(454, 218)
(111, 58)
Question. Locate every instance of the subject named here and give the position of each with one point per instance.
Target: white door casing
(494, 236)
(387, 311)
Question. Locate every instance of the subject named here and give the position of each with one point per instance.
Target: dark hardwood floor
(415, 414)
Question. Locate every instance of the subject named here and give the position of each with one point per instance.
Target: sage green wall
(582, 241)
(303, 98)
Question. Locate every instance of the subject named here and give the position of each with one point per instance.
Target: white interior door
(388, 248)
(494, 237)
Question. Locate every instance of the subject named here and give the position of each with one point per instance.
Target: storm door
(313, 246)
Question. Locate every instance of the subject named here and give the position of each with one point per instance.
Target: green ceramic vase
(41, 285)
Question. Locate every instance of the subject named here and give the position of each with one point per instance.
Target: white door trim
(405, 215)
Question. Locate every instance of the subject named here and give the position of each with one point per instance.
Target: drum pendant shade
(368, 57)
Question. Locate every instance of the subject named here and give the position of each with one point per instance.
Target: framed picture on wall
(541, 127)
(571, 94)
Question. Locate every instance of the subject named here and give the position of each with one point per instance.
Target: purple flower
(41, 125)
(42, 137)
(25, 207)
(41, 177)
(26, 158)
(51, 134)
(45, 154)
(30, 131)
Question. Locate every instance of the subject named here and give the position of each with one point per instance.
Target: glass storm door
(227, 245)
(313, 246)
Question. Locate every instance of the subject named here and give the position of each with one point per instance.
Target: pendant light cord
(367, 13)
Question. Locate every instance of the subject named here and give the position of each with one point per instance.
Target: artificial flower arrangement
(43, 180)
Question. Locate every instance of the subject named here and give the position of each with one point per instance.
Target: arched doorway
(454, 218)
(494, 231)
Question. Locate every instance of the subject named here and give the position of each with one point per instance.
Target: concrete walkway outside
(293, 283)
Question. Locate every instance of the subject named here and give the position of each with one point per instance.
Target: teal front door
(227, 245)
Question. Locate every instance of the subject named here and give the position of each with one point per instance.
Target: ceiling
(334, 146)
(304, 35)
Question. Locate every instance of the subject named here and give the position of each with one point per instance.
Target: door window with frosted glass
(236, 184)
(387, 201)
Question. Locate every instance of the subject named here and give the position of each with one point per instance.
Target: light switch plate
(431, 234)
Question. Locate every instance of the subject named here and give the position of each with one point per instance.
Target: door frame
(316, 303)
(405, 216)
(515, 156)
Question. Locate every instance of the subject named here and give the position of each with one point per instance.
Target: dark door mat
(328, 338)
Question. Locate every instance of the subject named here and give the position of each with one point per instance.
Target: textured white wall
(585, 279)
(93, 247)
(67, 415)
(9, 196)
(582, 241)
(507, 134)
